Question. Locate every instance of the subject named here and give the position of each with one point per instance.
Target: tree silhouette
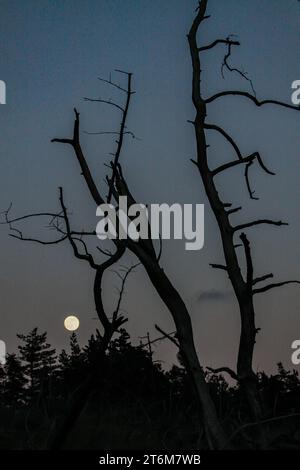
(39, 360)
(245, 286)
(134, 393)
(71, 367)
(13, 381)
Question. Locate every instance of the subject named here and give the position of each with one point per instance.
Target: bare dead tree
(145, 252)
(147, 256)
(243, 285)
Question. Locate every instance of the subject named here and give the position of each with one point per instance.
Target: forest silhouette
(135, 404)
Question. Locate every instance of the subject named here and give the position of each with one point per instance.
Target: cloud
(214, 295)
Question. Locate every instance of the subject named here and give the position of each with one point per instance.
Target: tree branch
(75, 142)
(226, 65)
(166, 335)
(19, 234)
(249, 158)
(262, 278)
(192, 38)
(110, 133)
(114, 85)
(218, 266)
(87, 256)
(249, 264)
(36, 240)
(246, 174)
(219, 41)
(234, 210)
(121, 138)
(63, 141)
(121, 293)
(226, 136)
(161, 338)
(258, 222)
(250, 97)
(273, 286)
(99, 100)
(109, 327)
(29, 216)
(248, 161)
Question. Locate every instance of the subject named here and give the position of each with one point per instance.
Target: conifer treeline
(133, 392)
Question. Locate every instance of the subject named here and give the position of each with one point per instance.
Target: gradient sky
(51, 53)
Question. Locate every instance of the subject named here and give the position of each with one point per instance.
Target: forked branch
(168, 336)
(75, 142)
(122, 290)
(226, 65)
(82, 256)
(244, 160)
(248, 161)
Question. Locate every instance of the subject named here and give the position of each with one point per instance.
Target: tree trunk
(173, 301)
(246, 376)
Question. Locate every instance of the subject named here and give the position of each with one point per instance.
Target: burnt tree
(245, 286)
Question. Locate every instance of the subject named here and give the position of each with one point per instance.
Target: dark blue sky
(51, 53)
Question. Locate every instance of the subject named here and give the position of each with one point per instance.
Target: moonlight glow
(71, 323)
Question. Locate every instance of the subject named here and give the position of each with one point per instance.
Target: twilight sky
(51, 53)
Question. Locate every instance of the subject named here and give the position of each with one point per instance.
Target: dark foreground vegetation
(133, 402)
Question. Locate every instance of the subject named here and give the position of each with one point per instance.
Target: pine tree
(76, 354)
(13, 381)
(122, 342)
(93, 348)
(38, 358)
(63, 360)
(72, 368)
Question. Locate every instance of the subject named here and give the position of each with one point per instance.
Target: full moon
(71, 323)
